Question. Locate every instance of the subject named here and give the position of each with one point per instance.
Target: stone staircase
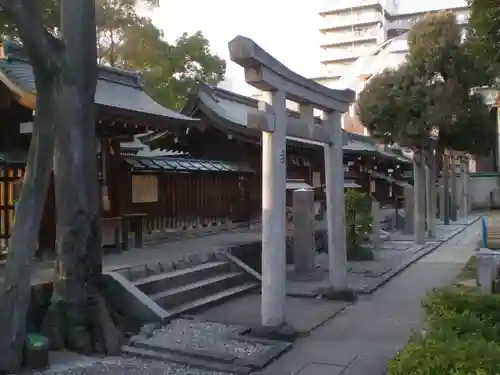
(159, 292)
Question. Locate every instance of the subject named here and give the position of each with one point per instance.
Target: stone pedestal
(487, 266)
(303, 232)
(442, 206)
(408, 207)
(419, 198)
(462, 202)
(376, 239)
(454, 190)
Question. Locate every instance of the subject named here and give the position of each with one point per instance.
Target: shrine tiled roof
(117, 89)
(180, 164)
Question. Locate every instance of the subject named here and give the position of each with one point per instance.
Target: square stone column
(419, 200)
(442, 206)
(376, 217)
(303, 232)
(408, 193)
(453, 183)
(461, 193)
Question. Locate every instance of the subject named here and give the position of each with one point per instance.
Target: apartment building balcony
(336, 6)
(347, 39)
(330, 23)
(343, 54)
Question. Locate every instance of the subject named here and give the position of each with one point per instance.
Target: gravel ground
(207, 336)
(127, 366)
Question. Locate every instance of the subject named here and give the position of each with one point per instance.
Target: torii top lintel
(266, 73)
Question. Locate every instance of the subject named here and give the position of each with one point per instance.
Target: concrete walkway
(366, 335)
(165, 251)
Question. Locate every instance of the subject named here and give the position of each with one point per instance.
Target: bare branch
(42, 47)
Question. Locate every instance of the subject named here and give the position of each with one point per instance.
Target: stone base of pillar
(347, 295)
(315, 275)
(284, 332)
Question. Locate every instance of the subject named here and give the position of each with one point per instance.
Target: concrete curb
(391, 274)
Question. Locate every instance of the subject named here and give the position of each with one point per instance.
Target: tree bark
(78, 318)
(16, 288)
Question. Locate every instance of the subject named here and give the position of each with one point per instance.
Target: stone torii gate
(278, 84)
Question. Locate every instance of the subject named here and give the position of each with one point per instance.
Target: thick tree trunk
(78, 318)
(16, 288)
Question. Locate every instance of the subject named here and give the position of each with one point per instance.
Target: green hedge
(462, 336)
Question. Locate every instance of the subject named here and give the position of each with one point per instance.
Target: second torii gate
(278, 83)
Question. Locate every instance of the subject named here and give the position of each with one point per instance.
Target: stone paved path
(366, 335)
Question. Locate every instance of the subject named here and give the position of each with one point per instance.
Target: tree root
(90, 331)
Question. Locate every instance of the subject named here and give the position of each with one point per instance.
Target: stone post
(376, 235)
(442, 197)
(334, 178)
(303, 232)
(430, 186)
(273, 214)
(433, 196)
(419, 201)
(408, 193)
(462, 213)
(467, 197)
(453, 194)
(446, 188)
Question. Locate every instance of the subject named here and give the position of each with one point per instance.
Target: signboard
(144, 188)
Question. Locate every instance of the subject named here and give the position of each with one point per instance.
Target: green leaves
(431, 89)
(127, 40)
(484, 35)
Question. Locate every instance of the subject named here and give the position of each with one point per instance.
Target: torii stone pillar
(467, 199)
(279, 83)
(462, 204)
(446, 188)
(431, 193)
(453, 194)
(419, 197)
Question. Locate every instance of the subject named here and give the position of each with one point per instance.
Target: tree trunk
(16, 287)
(78, 318)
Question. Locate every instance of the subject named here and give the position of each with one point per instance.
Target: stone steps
(213, 299)
(160, 292)
(198, 289)
(159, 282)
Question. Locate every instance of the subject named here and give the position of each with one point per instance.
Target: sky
(286, 29)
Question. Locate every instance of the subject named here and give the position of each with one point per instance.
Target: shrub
(358, 223)
(462, 337)
(456, 300)
(448, 355)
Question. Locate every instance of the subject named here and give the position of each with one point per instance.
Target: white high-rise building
(354, 28)
(363, 37)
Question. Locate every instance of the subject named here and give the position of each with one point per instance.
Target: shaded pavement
(366, 335)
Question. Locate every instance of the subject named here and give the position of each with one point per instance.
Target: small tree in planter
(358, 220)
(358, 224)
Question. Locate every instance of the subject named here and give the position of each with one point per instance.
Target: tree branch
(42, 47)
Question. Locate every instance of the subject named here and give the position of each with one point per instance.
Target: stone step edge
(212, 298)
(186, 360)
(177, 273)
(256, 361)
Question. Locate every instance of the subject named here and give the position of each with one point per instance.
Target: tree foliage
(484, 35)
(127, 40)
(431, 89)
